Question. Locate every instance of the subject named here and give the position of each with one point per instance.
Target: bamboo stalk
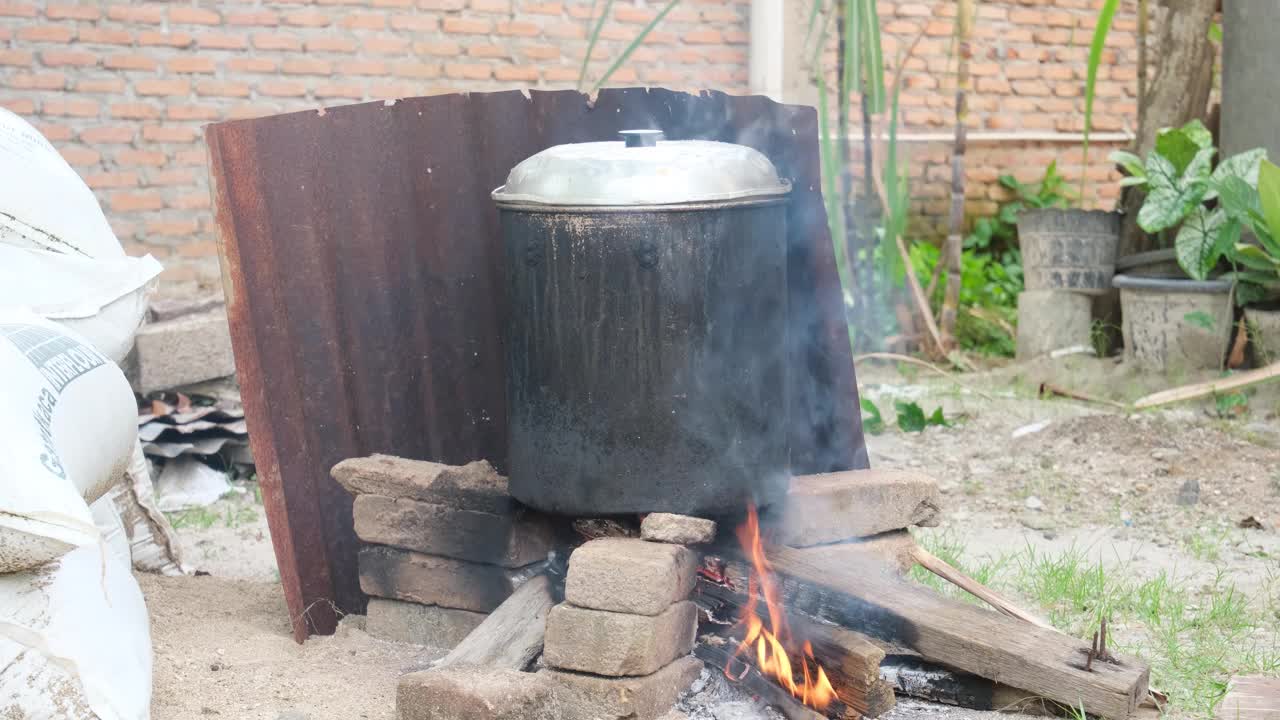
(1144, 21)
(955, 239)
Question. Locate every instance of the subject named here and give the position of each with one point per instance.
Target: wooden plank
(1039, 660)
(841, 506)
(363, 270)
(1251, 698)
(1211, 387)
(850, 659)
(511, 637)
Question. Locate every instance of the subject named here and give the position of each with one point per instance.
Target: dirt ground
(1163, 490)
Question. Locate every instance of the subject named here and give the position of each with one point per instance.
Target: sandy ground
(1076, 476)
(223, 648)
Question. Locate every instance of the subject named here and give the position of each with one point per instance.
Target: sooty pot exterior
(646, 351)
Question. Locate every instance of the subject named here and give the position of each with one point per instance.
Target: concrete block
(476, 693)
(187, 349)
(474, 486)
(629, 575)
(592, 697)
(1051, 320)
(832, 507)
(511, 540)
(614, 644)
(430, 580)
(168, 308)
(432, 625)
(677, 529)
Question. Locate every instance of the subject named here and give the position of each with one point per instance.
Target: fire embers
(773, 649)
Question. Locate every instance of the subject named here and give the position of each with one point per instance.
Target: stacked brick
(443, 544)
(619, 645)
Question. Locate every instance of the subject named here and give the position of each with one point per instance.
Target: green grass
(203, 518)
(1197, 632)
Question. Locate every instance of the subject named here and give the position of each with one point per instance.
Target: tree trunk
(952, 252)
(1179, 93)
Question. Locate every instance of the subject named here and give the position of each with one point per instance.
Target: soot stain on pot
(647, 359)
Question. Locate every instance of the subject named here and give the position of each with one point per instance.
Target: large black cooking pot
(648, 291)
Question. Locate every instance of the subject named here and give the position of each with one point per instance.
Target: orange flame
(771, 644)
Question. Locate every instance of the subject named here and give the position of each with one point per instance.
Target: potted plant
(1183, 319)
(1256, 265)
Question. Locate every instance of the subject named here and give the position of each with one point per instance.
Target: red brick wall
(1026, 104)
(124, 88)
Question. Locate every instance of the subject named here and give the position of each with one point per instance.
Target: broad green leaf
(1010, 182)
(872, 422)
(1243, 166)
(1215, 33)
(1269, 196)
(1254, 257)
(1132, 181)
(1161, 172)
(1197, 246)
(1199, 134)
(1164, 208)
(1237, 198)
(910, 417)
(1228, 237)
(1200, 168)
(1262, 231)
(1177, 147)
(937, 419)
(1173, 194)
(1131, 163)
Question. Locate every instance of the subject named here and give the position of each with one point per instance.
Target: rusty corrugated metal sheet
(362, 265)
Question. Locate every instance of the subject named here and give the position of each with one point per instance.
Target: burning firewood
(718, 653)
(864, 592)
(825, 668)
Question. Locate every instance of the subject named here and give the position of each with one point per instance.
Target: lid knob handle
(641, 138)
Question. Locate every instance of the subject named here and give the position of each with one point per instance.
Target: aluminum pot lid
(642, 169)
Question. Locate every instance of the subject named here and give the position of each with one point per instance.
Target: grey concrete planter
(1175, 324)
(1072, 250)
(1264, 334)
(1051, 320)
